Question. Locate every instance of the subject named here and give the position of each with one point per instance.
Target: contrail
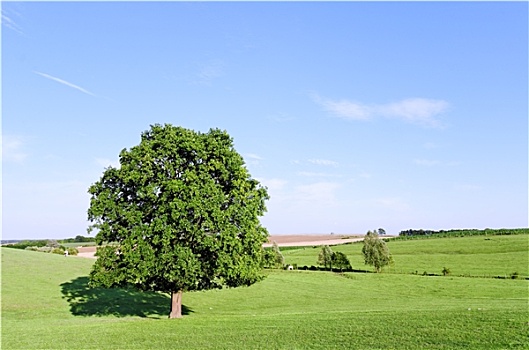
(64, 82)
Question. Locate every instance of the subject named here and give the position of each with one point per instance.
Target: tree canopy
(375, 251)
(277, 257)
(331, 259)
(325, 256)
(340, 261)
(180, 213)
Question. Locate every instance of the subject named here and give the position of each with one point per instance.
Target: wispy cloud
(209, 72)
(324, 162)
(64, 82)
(345, 109)
(415, 110)
(12, 149)
(253, 156)
(419, 111)
(9, 22)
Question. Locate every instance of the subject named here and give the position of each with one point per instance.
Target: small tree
(381, 232)
(182, 214)
(375, 251)
(325, 256)
(339, 260)
(278, 258)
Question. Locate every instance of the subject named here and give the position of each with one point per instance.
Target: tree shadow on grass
(119, 302)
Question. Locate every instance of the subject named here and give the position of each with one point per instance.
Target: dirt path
(282, 241)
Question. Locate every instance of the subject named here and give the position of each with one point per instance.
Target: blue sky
(355, 115)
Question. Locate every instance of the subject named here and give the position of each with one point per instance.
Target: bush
(32, 248)
(446, 271)
(45, 249)
(514, 275)
(72, 251)
(57, 251)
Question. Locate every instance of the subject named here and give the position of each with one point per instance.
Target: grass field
(46, 304)
(477, 255)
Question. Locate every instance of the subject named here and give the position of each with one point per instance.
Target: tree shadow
(119, 302)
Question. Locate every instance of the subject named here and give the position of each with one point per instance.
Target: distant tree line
(78, 239)
(28, 243)
(405, 234)
(23, 244)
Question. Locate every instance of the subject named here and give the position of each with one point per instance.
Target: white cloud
(324, 162)
(419, 111)
(12, 149)
(64, 82)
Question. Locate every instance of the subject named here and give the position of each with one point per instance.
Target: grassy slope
(45, 304)
(478, 255)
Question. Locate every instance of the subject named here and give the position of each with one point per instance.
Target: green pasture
(46, 304)
(487, 256)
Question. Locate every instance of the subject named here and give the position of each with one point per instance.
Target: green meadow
(46, 304)
(486, 256)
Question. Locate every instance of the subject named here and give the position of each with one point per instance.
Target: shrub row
(25, 244)
(410, 234)
(54, 250)
(321, 268)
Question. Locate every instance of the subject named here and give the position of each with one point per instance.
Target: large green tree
(375, 251)
(180, 213)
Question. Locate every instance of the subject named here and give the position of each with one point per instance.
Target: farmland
(46, 304)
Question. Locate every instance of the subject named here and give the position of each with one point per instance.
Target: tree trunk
(176, 305)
